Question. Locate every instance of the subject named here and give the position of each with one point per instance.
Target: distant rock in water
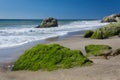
(48, 22)
(111, 18)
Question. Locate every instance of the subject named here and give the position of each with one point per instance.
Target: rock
(98, 34)
(48, 22)
(111, 18)
(107, 31)
(50, 57)
(98, 50)
(117, 19)
(88, 33)
(119, 35)
(117, 52)
(107, 53)
(37, 26)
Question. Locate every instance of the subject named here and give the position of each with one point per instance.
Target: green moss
(97, 50)
(107, 31)
(50, 57)
(97, 35)
(88, 33)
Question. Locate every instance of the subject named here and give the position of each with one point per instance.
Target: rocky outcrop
(111, 18)
(107, 31)
(48, 22)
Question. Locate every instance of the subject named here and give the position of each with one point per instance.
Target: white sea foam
(14, 36)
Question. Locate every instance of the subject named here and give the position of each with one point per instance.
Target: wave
(21, 34)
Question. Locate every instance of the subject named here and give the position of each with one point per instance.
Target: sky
(60, 9)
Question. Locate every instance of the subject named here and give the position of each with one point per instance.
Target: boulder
(50, 57)
(117, 52)
(88, 33)
(98, 50)
(48, 22)
(111, 18)
(107, 31)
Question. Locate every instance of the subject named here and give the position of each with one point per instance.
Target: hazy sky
(62, 9)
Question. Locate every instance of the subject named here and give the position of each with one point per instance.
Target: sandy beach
(102, 69)
(60, 40)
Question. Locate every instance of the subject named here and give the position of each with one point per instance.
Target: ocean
(16, 32)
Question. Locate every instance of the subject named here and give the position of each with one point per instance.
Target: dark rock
(119, 35)
(37, 26)
(88, 33)
(117, 52)
(111, 18)
(48, 22)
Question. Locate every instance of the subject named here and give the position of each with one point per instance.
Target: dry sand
(102, 69)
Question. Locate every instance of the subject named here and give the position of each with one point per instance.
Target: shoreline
(102, 69)
(13, 53)
(10, 54)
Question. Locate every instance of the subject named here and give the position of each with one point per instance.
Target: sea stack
(111, 18)
(48, 22)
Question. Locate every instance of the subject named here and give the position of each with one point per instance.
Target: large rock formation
(107, 31)
(48, 22)
(111, 18)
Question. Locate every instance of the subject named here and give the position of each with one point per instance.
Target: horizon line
(44, 18)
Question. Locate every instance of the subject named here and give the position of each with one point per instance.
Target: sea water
(17, 35)
(16, 32)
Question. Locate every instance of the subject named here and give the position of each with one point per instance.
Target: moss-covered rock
(88, 33)
(98, 34)
(117, 52)
(50, 57)
(107, 31)
(98, 50)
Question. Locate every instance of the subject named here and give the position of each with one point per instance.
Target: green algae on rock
(98, 50)
(107, 31)
(117, 52)
(50, 57)
(88, 33)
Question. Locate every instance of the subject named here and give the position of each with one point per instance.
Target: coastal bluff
(48, 22)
